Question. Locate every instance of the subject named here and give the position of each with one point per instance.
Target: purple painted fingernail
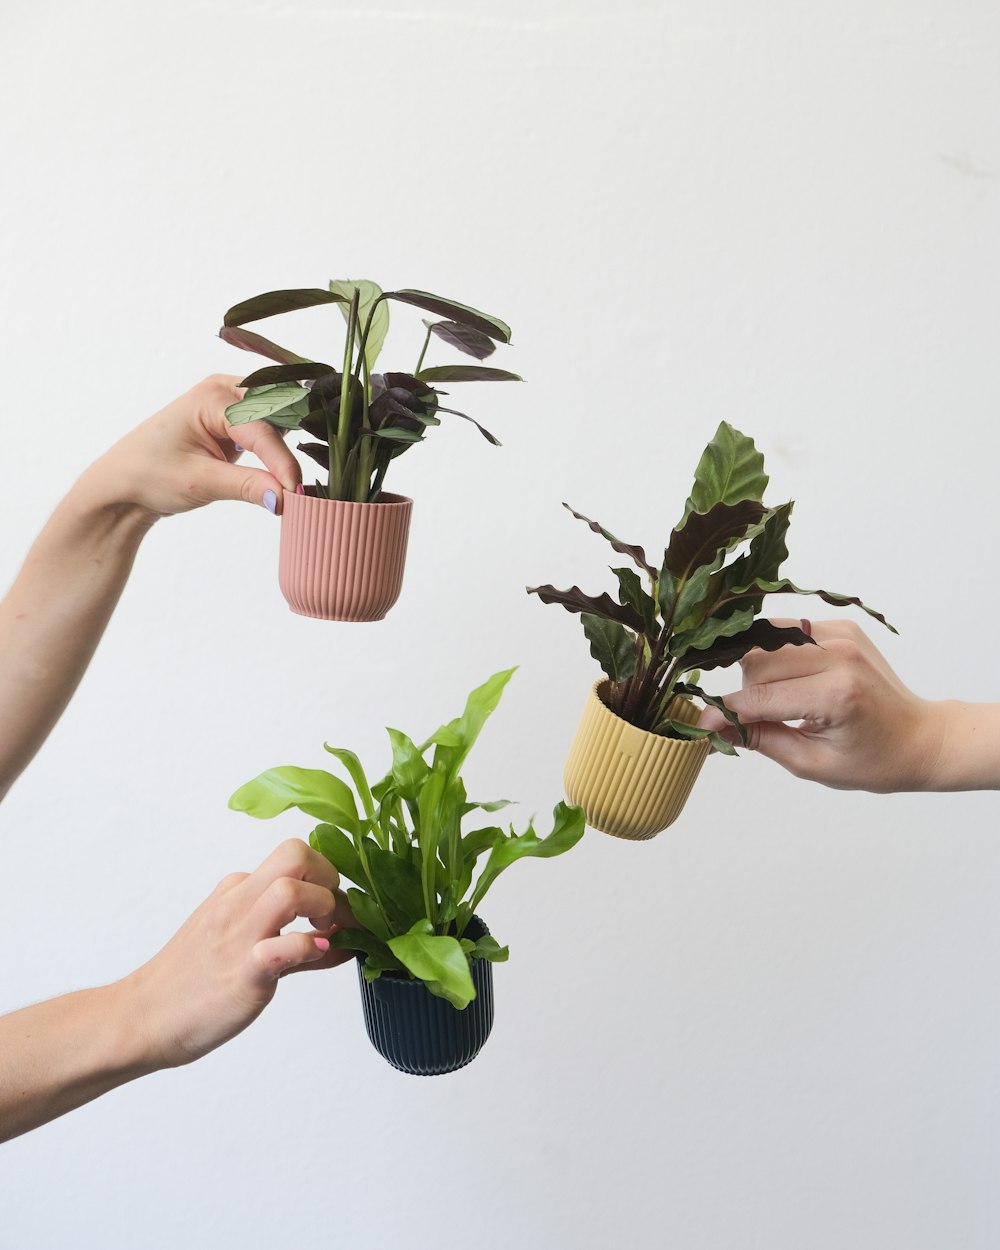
(270, 501)
(238, 447)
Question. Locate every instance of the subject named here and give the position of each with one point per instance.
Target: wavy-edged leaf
(694, 732)
(467, 373)
(465, 338)
(311, 790)
(272, 303)
(709, 631)
(250, 341)
(439, 962)
(490, 438)
(730, 469)
(575, 600)
(283, 404)
(634, 552)
(490, 949)
(632, 592)
(611, 645)
(713, 700)
(700, 536)
(783, 586)
(489, 325)
(568, 824)
(761, 634)
(272, 374)
(369, 299)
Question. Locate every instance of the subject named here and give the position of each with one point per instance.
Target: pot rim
(597, 692)
(400, 978)
(386, 499)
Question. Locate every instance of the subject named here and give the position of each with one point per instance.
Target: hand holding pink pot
(184, 457)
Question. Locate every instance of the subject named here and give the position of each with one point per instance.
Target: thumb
(218, 479)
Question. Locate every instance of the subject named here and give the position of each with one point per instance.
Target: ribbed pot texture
(420, 1033)
(631, 783)
(342, 561)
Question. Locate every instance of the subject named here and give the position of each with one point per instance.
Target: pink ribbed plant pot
(631, 783)
(342, 561)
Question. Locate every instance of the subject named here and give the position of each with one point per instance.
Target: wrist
(142, 1035)
(968, 751)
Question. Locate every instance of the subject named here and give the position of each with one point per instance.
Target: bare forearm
(58, 1055)
(969, 756)
(54, 615)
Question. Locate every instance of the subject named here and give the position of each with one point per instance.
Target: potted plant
(638, 749)
(426, 977)
(343, 539)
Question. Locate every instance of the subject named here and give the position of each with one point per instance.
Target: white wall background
(778, 1024)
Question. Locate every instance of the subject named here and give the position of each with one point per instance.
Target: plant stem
(423, 352)
(344, 430)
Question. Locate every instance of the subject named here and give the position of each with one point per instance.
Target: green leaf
(471, 342)
(611, 645)
(333, 844)
(265, 403)
(249, 341)
(767, 551)
(688, 688)
(460, 734)
(370, 297)
(490, 949)
(634, 552)
(694, 595)
(632, 592)
(409, 768)
(730, 469)
(368, 944)
(356, 773)
(479, 840)
(567, 830)
(694, 732)
(466, 373)
(575, 600)
(760, 634)
(394, 434)
(439, 962)
(366, 913)
(699, 537)
(271, 303)
(397, 884)
(707, 633)
(491, 326)
(312, 791)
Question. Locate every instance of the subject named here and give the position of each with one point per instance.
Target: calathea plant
(357, 420)
(418, 875)
(695, 609)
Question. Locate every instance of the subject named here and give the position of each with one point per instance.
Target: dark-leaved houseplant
(343, 538)
(638, 750)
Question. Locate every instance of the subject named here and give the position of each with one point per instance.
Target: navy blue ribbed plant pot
(420, 1033)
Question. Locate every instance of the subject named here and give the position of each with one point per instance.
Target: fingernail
(270, 501)
(299, 489)
(238, 447)
(322, 944)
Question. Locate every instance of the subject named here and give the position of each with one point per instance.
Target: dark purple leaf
(252, 342)
(697, 540)
(783, 586)
(714, 701)
(286, 373)
(472, 342)
(761, 634)
(319, 452)
(490, 438)
(467, 373)
(271, 303)
(574, 600)
(634, 553)
(462, 313)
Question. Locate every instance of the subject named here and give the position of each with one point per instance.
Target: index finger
(292, 859)
(255, 436)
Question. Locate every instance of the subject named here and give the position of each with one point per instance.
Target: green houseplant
(639, 750)
(419, 879)
(343, 538)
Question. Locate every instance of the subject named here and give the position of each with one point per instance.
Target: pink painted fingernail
(322, 944)
(299, 490)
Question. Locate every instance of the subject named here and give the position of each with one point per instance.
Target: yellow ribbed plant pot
(631, 783)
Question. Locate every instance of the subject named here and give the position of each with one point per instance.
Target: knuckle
(284, 893)
(230, 882)
(294, 853)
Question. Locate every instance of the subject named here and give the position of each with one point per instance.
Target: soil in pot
(631, 783)
(342, 561)
(424, 1035)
